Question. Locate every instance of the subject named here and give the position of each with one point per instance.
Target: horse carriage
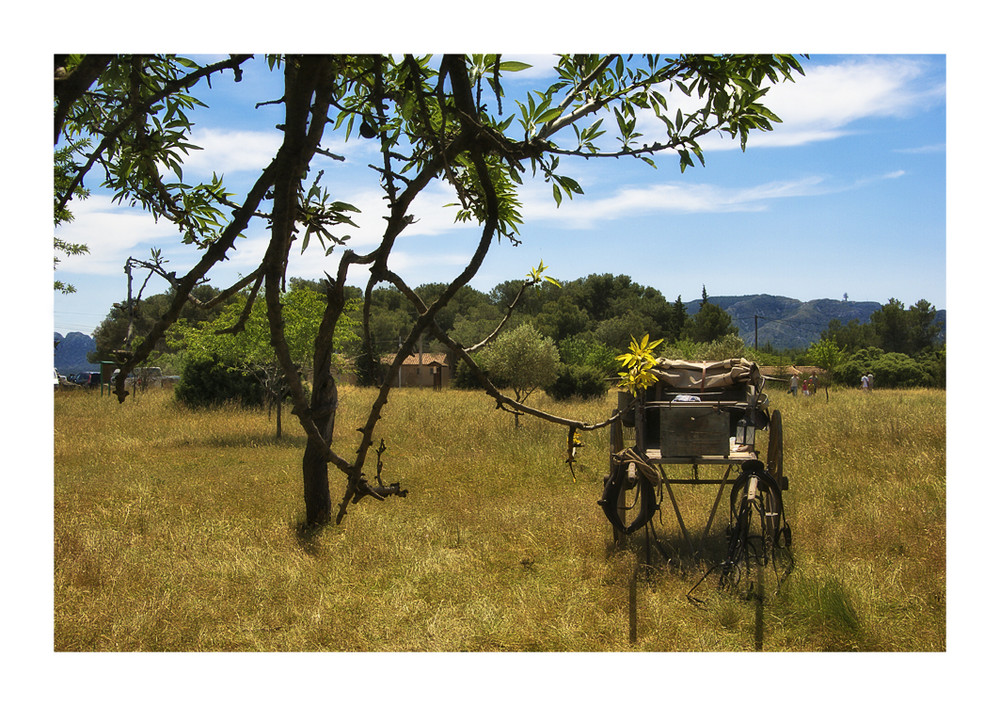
(710, 418)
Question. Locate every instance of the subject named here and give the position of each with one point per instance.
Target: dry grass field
(177, 530)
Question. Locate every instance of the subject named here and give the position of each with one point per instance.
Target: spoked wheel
(754, 530)
(776, 467)
(775, 452)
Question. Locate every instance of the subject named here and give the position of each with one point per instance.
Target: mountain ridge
(785, 322)
(71, 353)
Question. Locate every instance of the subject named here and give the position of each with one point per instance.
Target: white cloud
(924, 149)
(673, 197)
(112, 232)
(826, 103)
(226, 152)
(232, 151)
(834, 95)
(677, 197)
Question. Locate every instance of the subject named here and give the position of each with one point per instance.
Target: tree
(524, 360)
(924, 329)
(130, 321)
(825, 354)
(891, 327)
(851, 337)
(444, 119)
(677, 321)
(242, 344)
(711, 322)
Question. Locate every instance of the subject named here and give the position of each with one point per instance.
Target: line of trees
(899, 346)
(588, 322)
(582, 325)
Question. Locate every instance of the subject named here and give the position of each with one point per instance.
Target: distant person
(871, 382)
(812, 382)
(793, 385)
(864, 383)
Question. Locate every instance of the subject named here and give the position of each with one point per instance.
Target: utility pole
(755, 332)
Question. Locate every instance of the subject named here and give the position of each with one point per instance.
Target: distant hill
(790, 323)
(71, 353)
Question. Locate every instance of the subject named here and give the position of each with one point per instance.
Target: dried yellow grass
(177, 530)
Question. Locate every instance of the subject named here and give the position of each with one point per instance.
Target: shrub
(581, 381)
(890, 370)
(581, 350)
(523, 358)
(207, 382)
(935, 367)
(899, 370)
(722, 348)
(463, 379)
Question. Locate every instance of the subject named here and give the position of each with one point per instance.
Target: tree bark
(315, 469)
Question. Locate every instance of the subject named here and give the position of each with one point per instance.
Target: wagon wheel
(775, 465)
(755, 521)
(775, 452)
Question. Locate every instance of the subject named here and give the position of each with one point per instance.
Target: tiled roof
(788, 370)
(428, 359)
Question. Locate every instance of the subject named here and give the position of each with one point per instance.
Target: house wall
(423, 375)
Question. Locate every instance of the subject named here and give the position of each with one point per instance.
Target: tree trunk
(315, 476)
(316, 484)
(323, 410)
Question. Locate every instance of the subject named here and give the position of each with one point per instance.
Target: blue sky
(846, 196)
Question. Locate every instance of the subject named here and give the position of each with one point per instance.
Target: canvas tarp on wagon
(708, 375)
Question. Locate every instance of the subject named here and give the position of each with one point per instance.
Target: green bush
(208, 382)
(581, 350)
(581, 381)
(463, 378)
(935, 366)
(891, 370)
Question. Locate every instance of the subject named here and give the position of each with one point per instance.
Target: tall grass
(178, 530)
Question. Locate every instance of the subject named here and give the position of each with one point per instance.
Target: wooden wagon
(701, 424)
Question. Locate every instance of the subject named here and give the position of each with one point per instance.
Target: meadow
(179, 530)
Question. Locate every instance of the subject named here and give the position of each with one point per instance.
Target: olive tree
(524, 360)
(445, 119)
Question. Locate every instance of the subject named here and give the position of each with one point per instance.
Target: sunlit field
(178, 530)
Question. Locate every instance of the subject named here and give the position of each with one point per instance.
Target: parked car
(87, 379)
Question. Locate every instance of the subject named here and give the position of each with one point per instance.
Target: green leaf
(548, 115)
(514, 66)
(570, 185)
